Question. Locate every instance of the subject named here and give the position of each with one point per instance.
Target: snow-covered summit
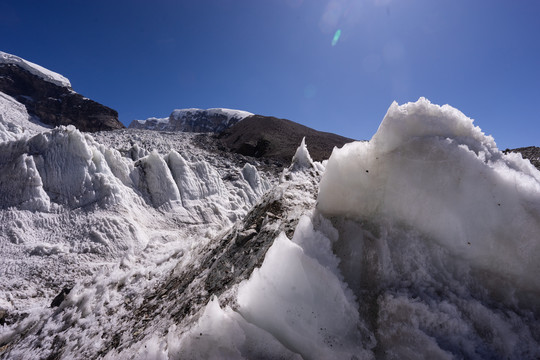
(230, 113)
(35, 69)
(193, 120)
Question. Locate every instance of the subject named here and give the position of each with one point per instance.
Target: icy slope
(193, 120)
(35, 69)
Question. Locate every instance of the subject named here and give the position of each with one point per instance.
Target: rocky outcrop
(270, 137)
(53, 104)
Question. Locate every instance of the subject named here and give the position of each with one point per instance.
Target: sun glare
(337, 35)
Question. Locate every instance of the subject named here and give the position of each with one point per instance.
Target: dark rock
(60, 297)
(56, 105)
(270, 137)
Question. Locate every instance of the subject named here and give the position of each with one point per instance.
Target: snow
(35, 69)
(421, 243)
(230, 113)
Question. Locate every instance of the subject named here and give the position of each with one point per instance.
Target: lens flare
(337, 35)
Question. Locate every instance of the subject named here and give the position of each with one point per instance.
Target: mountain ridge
(193, 120)
(49, 96)
(267, 136)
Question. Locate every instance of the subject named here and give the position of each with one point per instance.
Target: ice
(35, 69)
(252, 177)
(224, 334)
(301, 302)
(158, 180)
(445, 229)
(447, 180)
(424, 244)
(72, 207)
(195, 181)
(301, 158)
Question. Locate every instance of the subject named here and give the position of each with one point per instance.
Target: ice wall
(429, 168)
(439, 236)
(62, 167)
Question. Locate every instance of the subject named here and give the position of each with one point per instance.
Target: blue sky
(282, 58)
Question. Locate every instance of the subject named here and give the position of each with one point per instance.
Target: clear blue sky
(277, 57)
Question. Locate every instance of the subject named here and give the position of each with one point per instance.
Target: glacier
(420, 243)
